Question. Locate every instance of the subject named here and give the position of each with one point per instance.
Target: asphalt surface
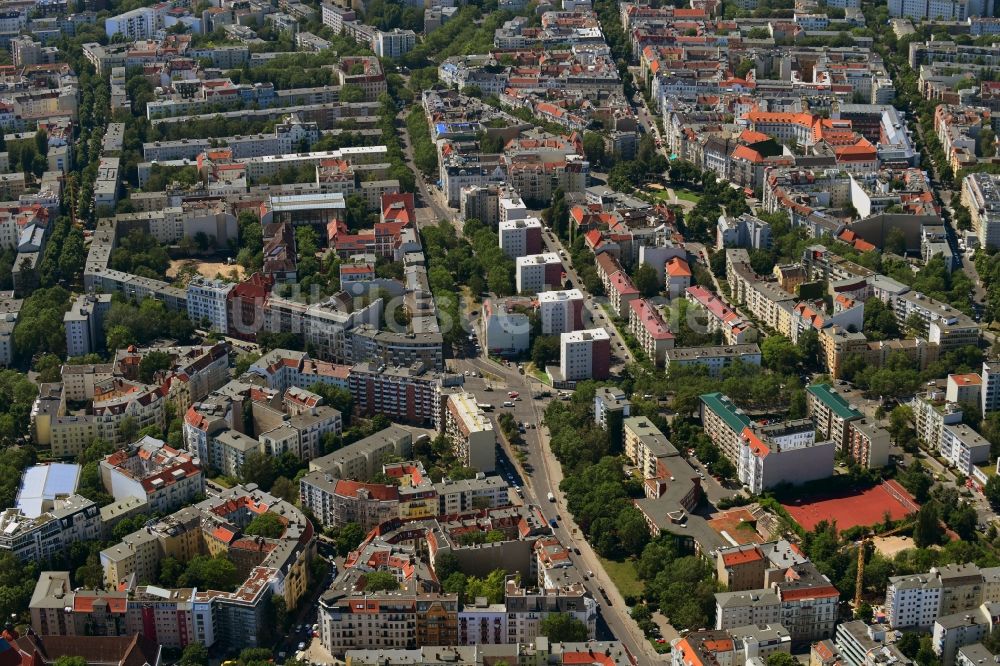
(540, 475)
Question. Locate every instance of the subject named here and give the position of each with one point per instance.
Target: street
(594, 315)
(541, 475)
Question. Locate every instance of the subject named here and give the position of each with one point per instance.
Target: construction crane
(860, 580)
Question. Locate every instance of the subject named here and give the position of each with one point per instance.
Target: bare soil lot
(207, 269)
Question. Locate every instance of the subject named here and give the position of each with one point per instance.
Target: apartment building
(335, 333)
(364, 72)
(297, 425)
(738, 645)
(390, 620)
(138, 24)
(720, 317)
(480, 203)
(832, 414)
(470, 432)
(859, 644)
(334, 17)
(10, 310)
(232, 620)
(507, 330)
(715, 358)
(990, 392)
(207, 303)
(931, 413)
(282, 369)
(462, 496)
(745, 231)
(584, 354)
(958, 630)
(748, 607)
(393, 44)
(974, 654)
(941, 10)
(647, 325)
(115, 402)
(838, 344)
(645, 445)
(510, 206)
(918, 600)
(286, 137)
(363, 459)
(867, 444)
(55, 526)
(611, 408)
(677, 276)
(108, 180)
(557, 654)
(618, 286)
(369, 343)
(560, 311)
(163, 477)
(411, 394)
(337, 502)
(741, 568)
(963, 447)
(724, 423)
(519, 238)
(946, 326)
(783, 453)
(84, 324)
(538, 272)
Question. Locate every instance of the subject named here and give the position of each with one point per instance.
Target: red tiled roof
(677, 267)
(747, 153)
(375, 490)
(821, 591)
(85, 603)
(742, 557)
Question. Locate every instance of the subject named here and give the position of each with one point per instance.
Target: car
(590, 574)
(466, 373)
(302, 646)
(576, 550)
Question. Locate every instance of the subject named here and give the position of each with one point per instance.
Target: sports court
(850, 509)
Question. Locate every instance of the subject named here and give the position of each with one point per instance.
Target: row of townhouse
(918, 600)
(239, 419)
(176, 617)
(336, 502)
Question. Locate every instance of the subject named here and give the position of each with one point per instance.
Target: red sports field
(865, 507)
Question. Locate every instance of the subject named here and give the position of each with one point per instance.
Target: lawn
(539, 374)
(687, 195)
(224, 481)
(624, 576)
